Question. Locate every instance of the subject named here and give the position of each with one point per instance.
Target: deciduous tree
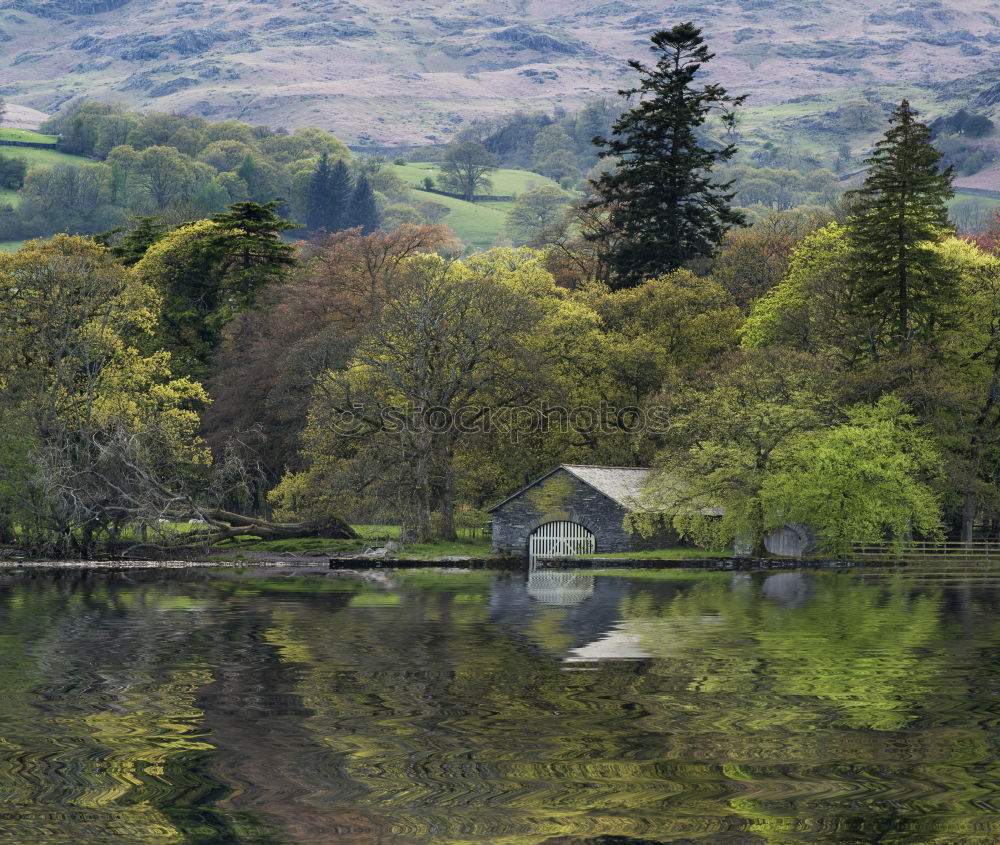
(466, 167)
(868, 479)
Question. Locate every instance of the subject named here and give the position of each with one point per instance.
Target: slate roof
(622, 485)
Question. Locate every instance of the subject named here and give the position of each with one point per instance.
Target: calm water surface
(223, 706)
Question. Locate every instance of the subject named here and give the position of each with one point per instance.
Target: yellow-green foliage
(800, 310)
(73, 369)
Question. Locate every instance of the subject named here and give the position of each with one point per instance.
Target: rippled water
(218, 706)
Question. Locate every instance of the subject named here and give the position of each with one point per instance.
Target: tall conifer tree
(897, 215)
(662, 203)
(317, 214)
(341, 188)
(363, 209)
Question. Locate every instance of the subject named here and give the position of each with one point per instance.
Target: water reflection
(260, 707)
(559, 587)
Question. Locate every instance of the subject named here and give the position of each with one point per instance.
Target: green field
(11, 134)
(505, 182)
(972, 213)
(42, 158)
(10, 246)
(477, 224)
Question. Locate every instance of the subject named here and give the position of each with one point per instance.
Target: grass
(43, 158)
(371, 535)
(663, 554)
(505, 182)
(476, 224)
(11, 134)
(10, 246)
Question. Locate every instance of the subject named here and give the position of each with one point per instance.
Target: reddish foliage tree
(988, 241)
(262, 379)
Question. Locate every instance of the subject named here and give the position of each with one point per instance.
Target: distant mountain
(413, 71)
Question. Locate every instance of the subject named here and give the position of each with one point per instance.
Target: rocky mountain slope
(412, 71)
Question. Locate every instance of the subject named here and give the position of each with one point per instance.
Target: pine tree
(363, 210)
(248, 172)
(317, 214)
(898, 213)
(339, 199)
(249, 251)
(661, 202)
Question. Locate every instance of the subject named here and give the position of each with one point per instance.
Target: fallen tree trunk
(224, 525)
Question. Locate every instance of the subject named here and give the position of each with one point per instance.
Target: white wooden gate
(560, 539)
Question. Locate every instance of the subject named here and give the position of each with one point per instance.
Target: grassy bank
(663, 554)
(27, 135)
(372, 536)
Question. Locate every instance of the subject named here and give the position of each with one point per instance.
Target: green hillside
(477, 224)
(42, 158)
(34, 156)
(10, 134)
(505, 182)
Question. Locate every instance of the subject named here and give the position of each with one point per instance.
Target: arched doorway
(560, 539)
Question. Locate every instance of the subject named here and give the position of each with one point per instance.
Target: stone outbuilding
(574, 510)
(570, 510)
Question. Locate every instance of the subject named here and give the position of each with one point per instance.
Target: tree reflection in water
(224, 706)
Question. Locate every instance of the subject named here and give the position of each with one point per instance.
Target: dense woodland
(836, 365)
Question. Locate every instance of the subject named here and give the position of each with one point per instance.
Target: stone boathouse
(570, 510)
(575, 509)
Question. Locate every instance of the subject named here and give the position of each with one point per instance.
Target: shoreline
(288, 562)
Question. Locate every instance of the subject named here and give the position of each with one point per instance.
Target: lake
(259, 706)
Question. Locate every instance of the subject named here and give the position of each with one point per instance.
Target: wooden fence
(977, 550)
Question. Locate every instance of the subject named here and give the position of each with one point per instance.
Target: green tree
(865, 480)
(247, 247)
(465, 169)
(898, 215)
(130, 245)
(661, 198)
(724, 429)
(341, 186)
(363, 210)
(165, 174)
(12, 172)
(89, 419)
(318, 212)
(753, 260)
(249, 172)
(535, 210)
(450, 341)
(211, 270)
